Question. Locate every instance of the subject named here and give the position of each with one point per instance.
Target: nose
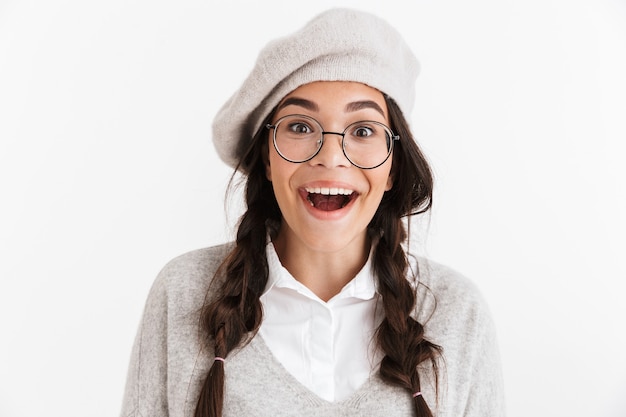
(331, 154)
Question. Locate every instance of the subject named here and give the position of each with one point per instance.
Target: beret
(337, 45)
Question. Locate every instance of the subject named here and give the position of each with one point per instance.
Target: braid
(400, 336)
(237, 310)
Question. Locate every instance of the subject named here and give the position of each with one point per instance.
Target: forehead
(336, 96)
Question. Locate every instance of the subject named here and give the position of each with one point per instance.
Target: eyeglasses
(366, 144)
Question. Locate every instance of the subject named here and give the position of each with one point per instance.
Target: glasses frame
(393, 137)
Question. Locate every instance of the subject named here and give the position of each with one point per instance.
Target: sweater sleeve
(146, 383)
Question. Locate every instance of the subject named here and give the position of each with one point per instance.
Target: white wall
(107, 171)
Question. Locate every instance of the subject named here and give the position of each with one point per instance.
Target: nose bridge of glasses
(334, 133)
(337, 146)
(324, 133)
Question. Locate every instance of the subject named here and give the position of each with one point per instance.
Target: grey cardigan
(168, 363)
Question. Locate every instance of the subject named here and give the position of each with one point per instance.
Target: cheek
(389, 183)
(383, 179)
(279, 172)
(276, 167)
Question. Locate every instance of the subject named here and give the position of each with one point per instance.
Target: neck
(324, 273)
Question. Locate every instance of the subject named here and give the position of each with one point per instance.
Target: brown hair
(236, 311)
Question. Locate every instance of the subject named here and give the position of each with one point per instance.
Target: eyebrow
(365, 104)
(295, 101)
(350, 107)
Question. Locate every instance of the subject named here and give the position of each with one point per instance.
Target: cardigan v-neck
(274, 388)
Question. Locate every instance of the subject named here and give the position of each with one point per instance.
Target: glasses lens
(297, 138)
(367, 144)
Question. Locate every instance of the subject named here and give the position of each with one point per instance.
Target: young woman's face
(311, 217)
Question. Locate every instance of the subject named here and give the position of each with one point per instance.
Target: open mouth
(329, 199)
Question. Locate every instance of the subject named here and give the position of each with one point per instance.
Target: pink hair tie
(417, 394)
(217, 358)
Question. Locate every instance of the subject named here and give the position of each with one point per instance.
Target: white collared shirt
(327, 346)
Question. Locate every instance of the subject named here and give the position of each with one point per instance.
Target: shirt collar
(362, 286)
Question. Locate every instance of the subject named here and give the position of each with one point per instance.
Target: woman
(318, 308)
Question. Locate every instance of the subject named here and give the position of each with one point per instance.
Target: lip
(322, 214)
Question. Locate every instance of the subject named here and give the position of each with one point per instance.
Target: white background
(107, 171)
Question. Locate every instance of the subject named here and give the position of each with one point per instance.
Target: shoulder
(189, 275)
(447, 299)
(197, 262)
(450, 284)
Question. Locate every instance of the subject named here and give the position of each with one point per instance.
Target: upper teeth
(329, 191)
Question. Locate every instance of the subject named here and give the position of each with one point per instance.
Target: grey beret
(336, 45)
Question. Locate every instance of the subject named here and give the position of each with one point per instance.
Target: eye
(299, 128)
(362, 131)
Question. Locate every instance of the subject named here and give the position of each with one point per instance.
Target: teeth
(329, 191)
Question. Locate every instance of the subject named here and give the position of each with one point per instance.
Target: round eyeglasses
(366, 144)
